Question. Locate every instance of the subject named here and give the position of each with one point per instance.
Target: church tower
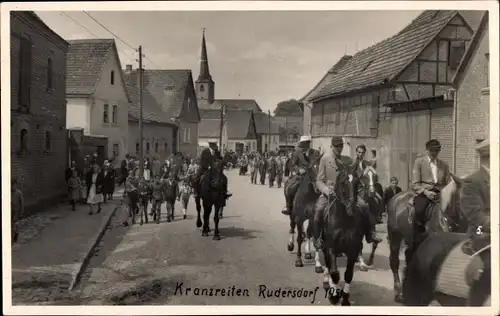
(204, 84)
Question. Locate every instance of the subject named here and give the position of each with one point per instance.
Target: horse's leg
(394, 248)
(326, 271)
(141, 211)
(362, 265)
(300, 230)
(197, 200)
(372, 254)
(308, 241)
(348, 275)
(217, 208)
(207, 208)
(334, 291)
(291, 241)
(146, 204)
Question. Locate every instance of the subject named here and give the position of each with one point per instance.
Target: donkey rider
(327, 175)
(207, 159)
(302, 159)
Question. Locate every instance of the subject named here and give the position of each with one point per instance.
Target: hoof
(204, 233)
(198, 223)
(308, 256)
(290, 246)
(326, 285)
(335, 297)
(216, 237)
(398, 298)
(299, 263)
(345, 300)
(363, 268)
(318, 269)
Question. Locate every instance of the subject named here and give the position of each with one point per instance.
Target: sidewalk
(53, 249)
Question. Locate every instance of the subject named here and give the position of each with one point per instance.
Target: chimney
(128, 69)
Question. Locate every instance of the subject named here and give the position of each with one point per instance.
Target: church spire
(204, 71)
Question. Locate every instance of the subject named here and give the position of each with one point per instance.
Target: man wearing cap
(207, 159)
(302, 159)
(391, 191)
(475, 198)
(430, 175)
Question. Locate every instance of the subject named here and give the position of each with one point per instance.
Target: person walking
(95, 182)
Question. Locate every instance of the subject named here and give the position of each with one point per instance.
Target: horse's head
(216, 172)
(346, 187)
(447, 214)
(369, 178)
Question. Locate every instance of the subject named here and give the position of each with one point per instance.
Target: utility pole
(269, 132)
(286, 133)
(141, 127)
(222, 112)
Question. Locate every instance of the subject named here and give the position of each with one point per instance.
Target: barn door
(420, 134)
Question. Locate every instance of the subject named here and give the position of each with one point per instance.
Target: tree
(290, 107)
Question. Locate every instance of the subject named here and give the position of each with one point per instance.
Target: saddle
(411, 209)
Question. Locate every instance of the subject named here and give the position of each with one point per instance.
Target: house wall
(272, 140)
(251, 143)
(473, 108)
(78, 113)
(189, 138)
(39, 169)
(111, 94)
(153, 133)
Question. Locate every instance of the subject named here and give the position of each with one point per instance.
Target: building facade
(38, 109)
(97, 98)
(472, 101)
(394, 96)
(268, 133)
(290, 130)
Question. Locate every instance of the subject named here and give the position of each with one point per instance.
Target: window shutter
(25, 75)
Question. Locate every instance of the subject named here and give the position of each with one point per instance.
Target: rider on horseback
(327, 175)
(475, 201)
(207, 159)
(303, 159)
(430, 175)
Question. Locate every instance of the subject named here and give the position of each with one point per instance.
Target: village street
(145, 264)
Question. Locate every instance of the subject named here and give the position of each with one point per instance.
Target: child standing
(74, 184)
(83, 192)
(171, 193)
(158, 198)
(185, 193)
(17, 208)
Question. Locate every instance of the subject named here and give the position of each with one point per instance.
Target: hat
(304, 138)
(337, 141)
(212, 143)
(433, 144)
(483, 148)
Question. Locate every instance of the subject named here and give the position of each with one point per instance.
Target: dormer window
(169, 88)
(367, 65)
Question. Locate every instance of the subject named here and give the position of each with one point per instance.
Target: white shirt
(434, 169)
(212, 151)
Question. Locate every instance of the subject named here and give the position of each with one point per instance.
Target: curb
(77, 273)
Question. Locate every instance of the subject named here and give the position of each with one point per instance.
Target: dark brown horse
(303, 210)
(442, 216)
(343, 234)
(209, 190)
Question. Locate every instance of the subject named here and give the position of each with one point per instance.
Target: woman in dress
(95, 182)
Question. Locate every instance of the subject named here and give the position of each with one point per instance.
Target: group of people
(430, 175)
(276, 166)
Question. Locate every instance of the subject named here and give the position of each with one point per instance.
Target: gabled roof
(85, 61)
(473, 45)
(262, 123)
(327, 77)
(163, 95)
(234, 104)
(384, 61)
(238, 122)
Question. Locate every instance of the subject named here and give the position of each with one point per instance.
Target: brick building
(472, 101)
(393, 96)
(38, 109)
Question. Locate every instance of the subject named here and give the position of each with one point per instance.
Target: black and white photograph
(274, 156)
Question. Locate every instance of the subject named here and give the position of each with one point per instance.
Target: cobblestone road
(146, 264)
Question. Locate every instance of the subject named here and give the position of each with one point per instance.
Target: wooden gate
(410, 132)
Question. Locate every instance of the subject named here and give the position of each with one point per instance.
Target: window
(189, 104)
(165, 147)
(455, 52)
(169, 88)
(186, 135)
(137, 147)
(25, 60)
(24, 139)
(116, 150)
(202, 88)
(48, 141)
(114, 114)
(105, 118)
(49, 73)
(157, 147)
(112, 77)
(147, 148)
(487, 70)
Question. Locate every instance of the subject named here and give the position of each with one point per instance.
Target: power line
(124, 42)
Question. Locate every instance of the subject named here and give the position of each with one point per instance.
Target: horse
(303, 209)
(343, 234)
(429, 275)
(371, 192)
(210, 191)
(443, 215)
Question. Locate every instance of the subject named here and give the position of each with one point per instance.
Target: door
(239, 148)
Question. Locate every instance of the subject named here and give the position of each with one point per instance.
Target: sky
(269, 56)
